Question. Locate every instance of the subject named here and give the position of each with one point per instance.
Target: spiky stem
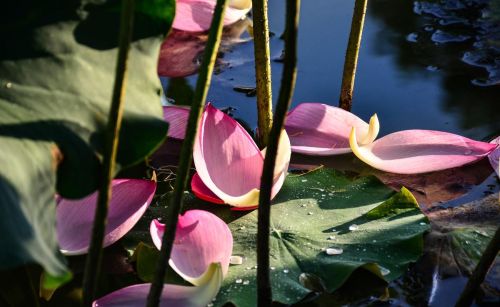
(200, 95)
(284, 99)
(93, 261)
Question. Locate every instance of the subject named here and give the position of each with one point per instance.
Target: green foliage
(56, 78)
(314, 212)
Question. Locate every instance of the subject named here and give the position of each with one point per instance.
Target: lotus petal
(229, 163)
(201, 238)
(320, 130)
(172, 295)
(180, 54)
(129, 200)
(177, 118)
(494, 156)
(201, 191)
(419, 151)
(196, 15)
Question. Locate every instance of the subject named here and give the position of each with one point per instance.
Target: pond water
(410, 85)
(414, 71)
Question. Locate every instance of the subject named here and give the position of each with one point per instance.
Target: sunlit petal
(419, 151)
(227, 159)
(196, 15)
(177, 118)
(319, 129)
(201, 238)
(129, 200)
(172, 295)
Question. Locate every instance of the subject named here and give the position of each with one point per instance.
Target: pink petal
(420, 151)
(201, 238)
(177, 118)
(172, 295)
(494, 156)
(129, 200)
(196, 15)
(179, 54)
(319, 129)
(222, 144)
(227, 159)
(201, 191)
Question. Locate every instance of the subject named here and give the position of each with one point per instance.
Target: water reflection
(409, 85)
(441, 36)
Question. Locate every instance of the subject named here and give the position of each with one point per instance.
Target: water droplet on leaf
(334, 251)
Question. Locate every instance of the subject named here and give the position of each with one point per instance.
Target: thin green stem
(93, 262)
(264, 294)
(477, 277)
(262, 70)
(200, 95)
(351, 55)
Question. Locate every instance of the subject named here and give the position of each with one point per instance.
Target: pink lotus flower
(129, 200)
(177, 118)
(196, 15)
(172, 295)
(420, 151)
(201, 252)
(201, 238)
(321, 130)
(229, 163)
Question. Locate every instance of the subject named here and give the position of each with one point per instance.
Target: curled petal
(494, 156)
(177, 118)
(419, 151)
(201, 191)
(129, 200)
(172, 295)
(196, 15)
(227, 159)
(201, 238)
(321, 130)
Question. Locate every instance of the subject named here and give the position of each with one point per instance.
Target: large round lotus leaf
(367, 225)
(57, 69)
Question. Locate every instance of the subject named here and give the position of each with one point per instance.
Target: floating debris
(272, 268)
(286, 271)
(331, 238)
(238, 281)
(249, 91)
(246, 282)
(310, 213)
(236, 260)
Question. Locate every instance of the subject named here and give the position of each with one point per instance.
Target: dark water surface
(410, 85)
(414, 71)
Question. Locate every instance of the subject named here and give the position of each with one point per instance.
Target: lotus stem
(264, 294)
(93, 261)
(199, 98)
(351, 55)
(262, 70)
(477, 277)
